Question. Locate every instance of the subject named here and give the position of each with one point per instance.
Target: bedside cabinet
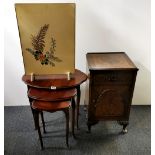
(110, 87)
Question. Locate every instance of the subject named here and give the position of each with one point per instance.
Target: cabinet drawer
(111, 77)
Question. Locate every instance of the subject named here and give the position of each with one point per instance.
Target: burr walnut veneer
(110, 87)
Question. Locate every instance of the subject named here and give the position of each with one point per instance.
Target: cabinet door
(110, 100)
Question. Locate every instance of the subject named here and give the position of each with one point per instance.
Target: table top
(109, 60)
(56, 81)
(48, 95)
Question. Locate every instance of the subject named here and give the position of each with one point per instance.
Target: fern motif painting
(38, 44)
(47, 37)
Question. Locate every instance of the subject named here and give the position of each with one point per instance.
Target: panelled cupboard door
(109, 100)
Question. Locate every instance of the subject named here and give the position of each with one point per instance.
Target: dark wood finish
(109, 61)
(39, 106)
(42, 119)
(111, 83)
(36, 119)
(73, 116)
(78, 104)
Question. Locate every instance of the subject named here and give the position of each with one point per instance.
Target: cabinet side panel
(87, 88)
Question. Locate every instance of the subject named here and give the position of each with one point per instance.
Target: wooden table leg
(30, 100)
(42, 117)
(73, 116)
(43, 122)
(66, 111)
(36, 118)
(78, 105)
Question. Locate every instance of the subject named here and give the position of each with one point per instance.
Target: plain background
(101, 26)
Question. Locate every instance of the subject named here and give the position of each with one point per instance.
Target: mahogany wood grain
(58, 81)
(50, 106)
(49, 95)
(44, 82)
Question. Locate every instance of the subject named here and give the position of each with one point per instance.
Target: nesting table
(56, 82)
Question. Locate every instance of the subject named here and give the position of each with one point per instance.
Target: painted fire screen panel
(47, 36)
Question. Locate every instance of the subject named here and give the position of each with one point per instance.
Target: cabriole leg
(124, 124)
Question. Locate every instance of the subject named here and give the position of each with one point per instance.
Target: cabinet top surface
(111, 60)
